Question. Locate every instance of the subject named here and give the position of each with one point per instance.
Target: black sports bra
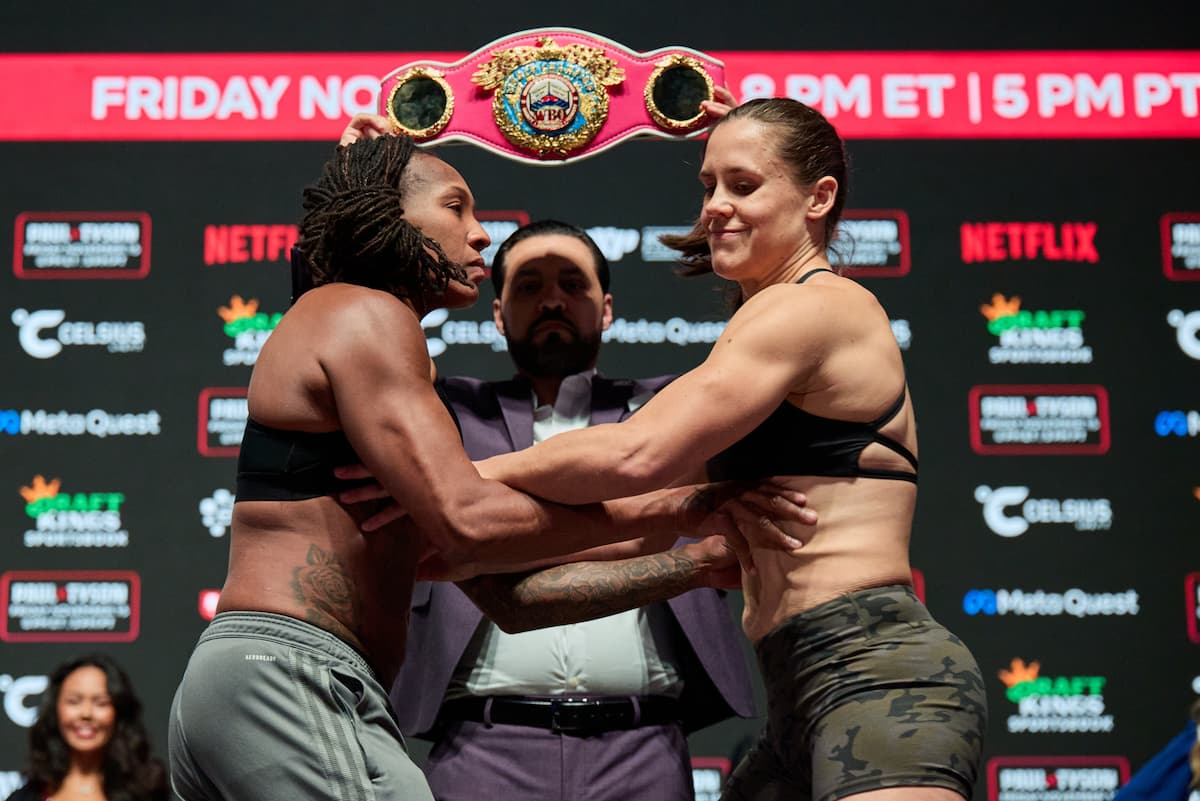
(792, 442)
(275, 464)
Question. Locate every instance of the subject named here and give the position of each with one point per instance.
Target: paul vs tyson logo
(70, 605)
(1055, 778)
(1030, 419)
(248, 328)
(1041, 336)
(76, 244)
(1181, 246)
(72, 519)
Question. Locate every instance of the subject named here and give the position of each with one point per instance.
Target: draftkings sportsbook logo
(248, 328)
(70, 606)
(72, 519)
(1055, 778)
(1036, 419)
(1047, 704)
(1034, 337)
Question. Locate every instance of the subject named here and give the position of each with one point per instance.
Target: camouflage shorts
(864, 692)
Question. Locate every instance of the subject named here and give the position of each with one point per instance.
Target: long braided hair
(354, 230)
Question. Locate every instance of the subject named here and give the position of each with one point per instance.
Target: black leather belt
(565, 714)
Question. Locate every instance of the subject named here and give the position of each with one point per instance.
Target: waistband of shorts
(294, 632)
(874, 606)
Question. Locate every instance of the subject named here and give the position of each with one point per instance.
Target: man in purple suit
(597, 710)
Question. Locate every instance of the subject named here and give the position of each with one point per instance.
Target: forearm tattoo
(323, 586)
(579, 591)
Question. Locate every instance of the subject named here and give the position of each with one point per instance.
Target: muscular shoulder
(347, 320)
(828, 311)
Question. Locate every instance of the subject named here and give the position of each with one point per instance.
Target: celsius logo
(220, 420)
(1085, 514)
(216, 512)
(116, 337)
(82, 245)
(238, 244)
(1187, 331)
(1036, 419)
(615, 243)
(72, 520)
(1059, 704)
(1034, 337)
(70, 606)
(876, 243)
(248, 328)
(1038, 603)
(499, 226)
(21, 697)
(1026, 241)
(1063, 778)
(1181, 246)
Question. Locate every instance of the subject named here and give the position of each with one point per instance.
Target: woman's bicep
(395, 420)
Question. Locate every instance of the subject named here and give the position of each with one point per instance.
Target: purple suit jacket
(497, 417)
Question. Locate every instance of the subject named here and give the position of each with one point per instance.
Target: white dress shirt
(629, 653)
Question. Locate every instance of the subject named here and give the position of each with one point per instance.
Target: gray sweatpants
(273, 709)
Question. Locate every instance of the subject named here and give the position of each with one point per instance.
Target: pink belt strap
(553, 95)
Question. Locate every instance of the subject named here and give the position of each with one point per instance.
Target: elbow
(645, 468)
(471, 531)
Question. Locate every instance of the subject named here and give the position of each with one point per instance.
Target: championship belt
(553, 95)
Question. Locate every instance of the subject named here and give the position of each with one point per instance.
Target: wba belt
(565, 714)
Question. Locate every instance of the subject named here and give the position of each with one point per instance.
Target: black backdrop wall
(1044, 291)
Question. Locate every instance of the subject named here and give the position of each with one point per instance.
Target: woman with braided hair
(283, 697)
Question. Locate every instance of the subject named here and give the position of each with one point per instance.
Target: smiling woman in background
(89, 742)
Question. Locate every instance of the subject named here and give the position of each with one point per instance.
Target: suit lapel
(610, 399)
(516, 404)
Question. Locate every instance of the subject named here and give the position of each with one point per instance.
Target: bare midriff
(861, 541)
(308, 560)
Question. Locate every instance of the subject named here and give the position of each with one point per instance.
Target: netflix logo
(1028, 241)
